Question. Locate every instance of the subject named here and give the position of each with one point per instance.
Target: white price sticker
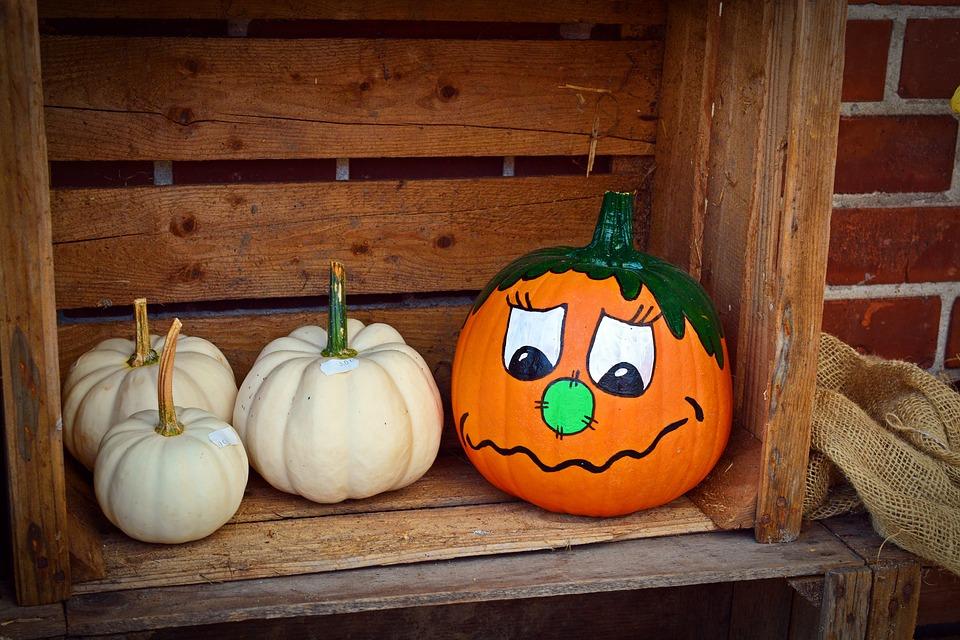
(333, 366)
(225, 437)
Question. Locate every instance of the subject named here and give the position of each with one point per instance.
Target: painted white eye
(621, 357)
(534, 340)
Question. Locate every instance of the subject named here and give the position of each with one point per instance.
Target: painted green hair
(611, 255)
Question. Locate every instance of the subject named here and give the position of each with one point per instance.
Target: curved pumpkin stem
(169, 425)
(337, 318)
(144, 354)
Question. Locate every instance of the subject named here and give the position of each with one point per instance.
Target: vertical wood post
(28, 330)
(683, 132)
(772, 152)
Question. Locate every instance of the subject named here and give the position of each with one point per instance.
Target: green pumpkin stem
(614, 231)
(144, 353)
(169, 425)
(337, 317)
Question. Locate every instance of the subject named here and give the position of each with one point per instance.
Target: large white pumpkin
(170, 475)
(118, 378)
(362, 419)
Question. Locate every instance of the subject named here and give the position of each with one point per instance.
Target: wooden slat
(728, 495)
(939, 595)
(845, 605)
(26, 623)
(432, 331)
(338, 542)
(604, 12)
(683, 133)
(771, 167)
(639, 564)
(28, 338)
(894, 599)
(696, 611)
(450, 482)
(896, 585)
(206, 98)
(760, 609)
(261, 241)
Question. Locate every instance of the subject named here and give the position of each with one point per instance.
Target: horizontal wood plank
(338, 542)
(24, 623)
(432, 331)
(112, 98)
(602, 11)
(451, 481)
(638, 564)
(187, 243)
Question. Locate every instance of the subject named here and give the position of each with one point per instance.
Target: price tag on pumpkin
(225, 437)
(333, 366)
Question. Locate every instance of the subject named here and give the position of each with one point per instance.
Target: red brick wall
(893, 276)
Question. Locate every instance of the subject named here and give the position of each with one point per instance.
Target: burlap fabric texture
(886, 436)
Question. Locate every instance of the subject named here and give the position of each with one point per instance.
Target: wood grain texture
(27, 623)
(683, 133)
(760, 609)
(338, 542)
(896, 582)
(432, 331)
(894, 599)
(209, 98)
(450, 482)
(939, 595)
(728, 495)
(697, 612)
(273, 240)
(28, 339)
(638, 564)
(629, 11)
(87, 524)
(846, 604)
(772, 155)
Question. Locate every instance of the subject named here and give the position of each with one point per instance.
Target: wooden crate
(736, 107)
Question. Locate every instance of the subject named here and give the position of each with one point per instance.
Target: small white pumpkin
(107, 384)
(170, 475)
(345, 414)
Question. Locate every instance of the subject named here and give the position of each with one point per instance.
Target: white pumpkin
(374, 426)
(170, 475)
(107, 384)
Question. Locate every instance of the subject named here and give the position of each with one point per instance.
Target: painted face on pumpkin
(575, 397)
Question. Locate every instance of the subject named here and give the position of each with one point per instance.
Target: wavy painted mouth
(586, 465)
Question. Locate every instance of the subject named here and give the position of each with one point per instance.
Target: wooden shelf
(450, 513)
(638, 564)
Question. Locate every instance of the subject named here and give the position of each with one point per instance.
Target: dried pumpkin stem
(337, 318)
(169, 425)
(144, 353)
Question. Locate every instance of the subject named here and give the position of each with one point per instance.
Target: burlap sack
(886, 435)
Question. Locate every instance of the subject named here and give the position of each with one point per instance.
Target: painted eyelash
(646, 320)
(524, 304)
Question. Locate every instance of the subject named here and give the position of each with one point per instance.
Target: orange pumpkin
(593, 380)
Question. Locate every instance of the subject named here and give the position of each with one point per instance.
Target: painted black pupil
(529, 363)
(622, 379)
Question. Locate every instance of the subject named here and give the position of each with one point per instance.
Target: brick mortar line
(902, 290)
(897, 106)
(891, 81)
(946, 306)
(948, 292)
(894, 12)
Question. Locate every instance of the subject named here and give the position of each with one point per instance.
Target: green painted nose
(567, 406)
